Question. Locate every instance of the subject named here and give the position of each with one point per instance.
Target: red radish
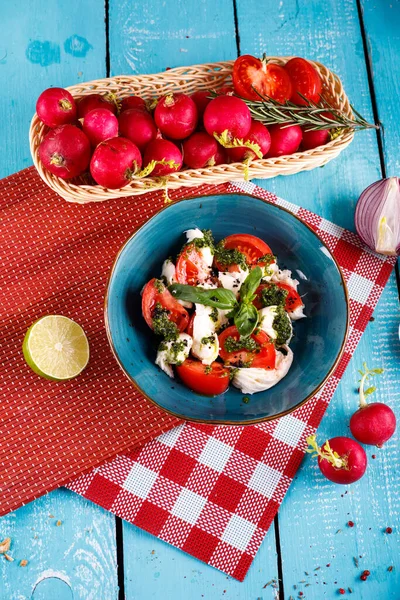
(225, 90)
(341, 459)
(221, 156)
(228, 116)
(258, 135)
(92, 101)
(176, 116)
(65, 151)
(55, 107)
(284, 139)
(165, 152)
(115, 162)
(372, 423)
(313, 138)
(132, 102)
(99, 125)
(199, 150)
(201, 100)
(138, 126)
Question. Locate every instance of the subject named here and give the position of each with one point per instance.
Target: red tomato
(151, 296)
(189, 328)
(263, 358)
(266, 77)
(305, 79)
(249, 245)
(293, 299)
(191, 267)
(196, 376)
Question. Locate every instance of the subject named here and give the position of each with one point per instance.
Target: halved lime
(56, 348)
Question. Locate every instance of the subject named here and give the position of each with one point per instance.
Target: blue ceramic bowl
(319, 339)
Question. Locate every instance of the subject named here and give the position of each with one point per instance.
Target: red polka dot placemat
(213, 491)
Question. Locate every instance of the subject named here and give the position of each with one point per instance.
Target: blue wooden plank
(73, 560)
(48, 45)
(381, 21)
(149, 37)
(315, 509)
(154, 569)
(43, 44)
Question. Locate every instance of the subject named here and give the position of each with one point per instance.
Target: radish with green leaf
(340, 459)
(373, 423)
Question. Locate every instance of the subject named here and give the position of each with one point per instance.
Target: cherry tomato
(152, 296)
(191, 267)
(201, 379)
(266, 77)
(293, 299)
(250, 245)
(262, 358)
(305, 79)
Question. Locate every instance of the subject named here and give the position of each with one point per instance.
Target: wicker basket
(190, 79)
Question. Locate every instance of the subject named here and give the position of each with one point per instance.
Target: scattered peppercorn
(350, 524)
(373, 456)
(342, 591)
(390, 569)
(364, 575)
(388, 530)
(328, 565)
(300, 593)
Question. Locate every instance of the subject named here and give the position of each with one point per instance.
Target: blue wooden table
(92, 555)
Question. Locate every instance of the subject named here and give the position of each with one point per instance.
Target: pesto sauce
(272, 295)
(282, 326)
(208, 340)
(208, 370)
(205, 241)
(267, 259)
(232, 345)
(159, 285)
(162, 325)
(214, 314)
(226, 257)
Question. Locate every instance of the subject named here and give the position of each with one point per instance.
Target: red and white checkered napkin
(213, 491)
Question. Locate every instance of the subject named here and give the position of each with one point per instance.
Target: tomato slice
(152, 296)
(189, 328)
(262, 358)
(251, 246)
(191, 268)
(305, 79)
(293, 300)
(268, 78)
(208, 380)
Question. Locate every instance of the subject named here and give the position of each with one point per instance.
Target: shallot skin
(377, 216)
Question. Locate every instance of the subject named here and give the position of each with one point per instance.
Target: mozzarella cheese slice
(192, 234)
(168, 271)
(297, 313)
(266, 322)
(233, 281)
(205, 340)
(173, 353)
(253, 380)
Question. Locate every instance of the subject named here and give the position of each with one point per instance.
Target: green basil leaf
(250, 284)
(246, 319)
(219, 297)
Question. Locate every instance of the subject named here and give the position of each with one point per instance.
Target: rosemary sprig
(314, 116)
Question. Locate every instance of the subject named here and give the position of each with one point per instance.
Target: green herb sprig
(313, 116)
(243, 312)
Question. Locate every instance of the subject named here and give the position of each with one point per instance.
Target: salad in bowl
(223, 313)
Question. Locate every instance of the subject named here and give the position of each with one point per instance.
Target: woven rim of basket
(187, 80)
